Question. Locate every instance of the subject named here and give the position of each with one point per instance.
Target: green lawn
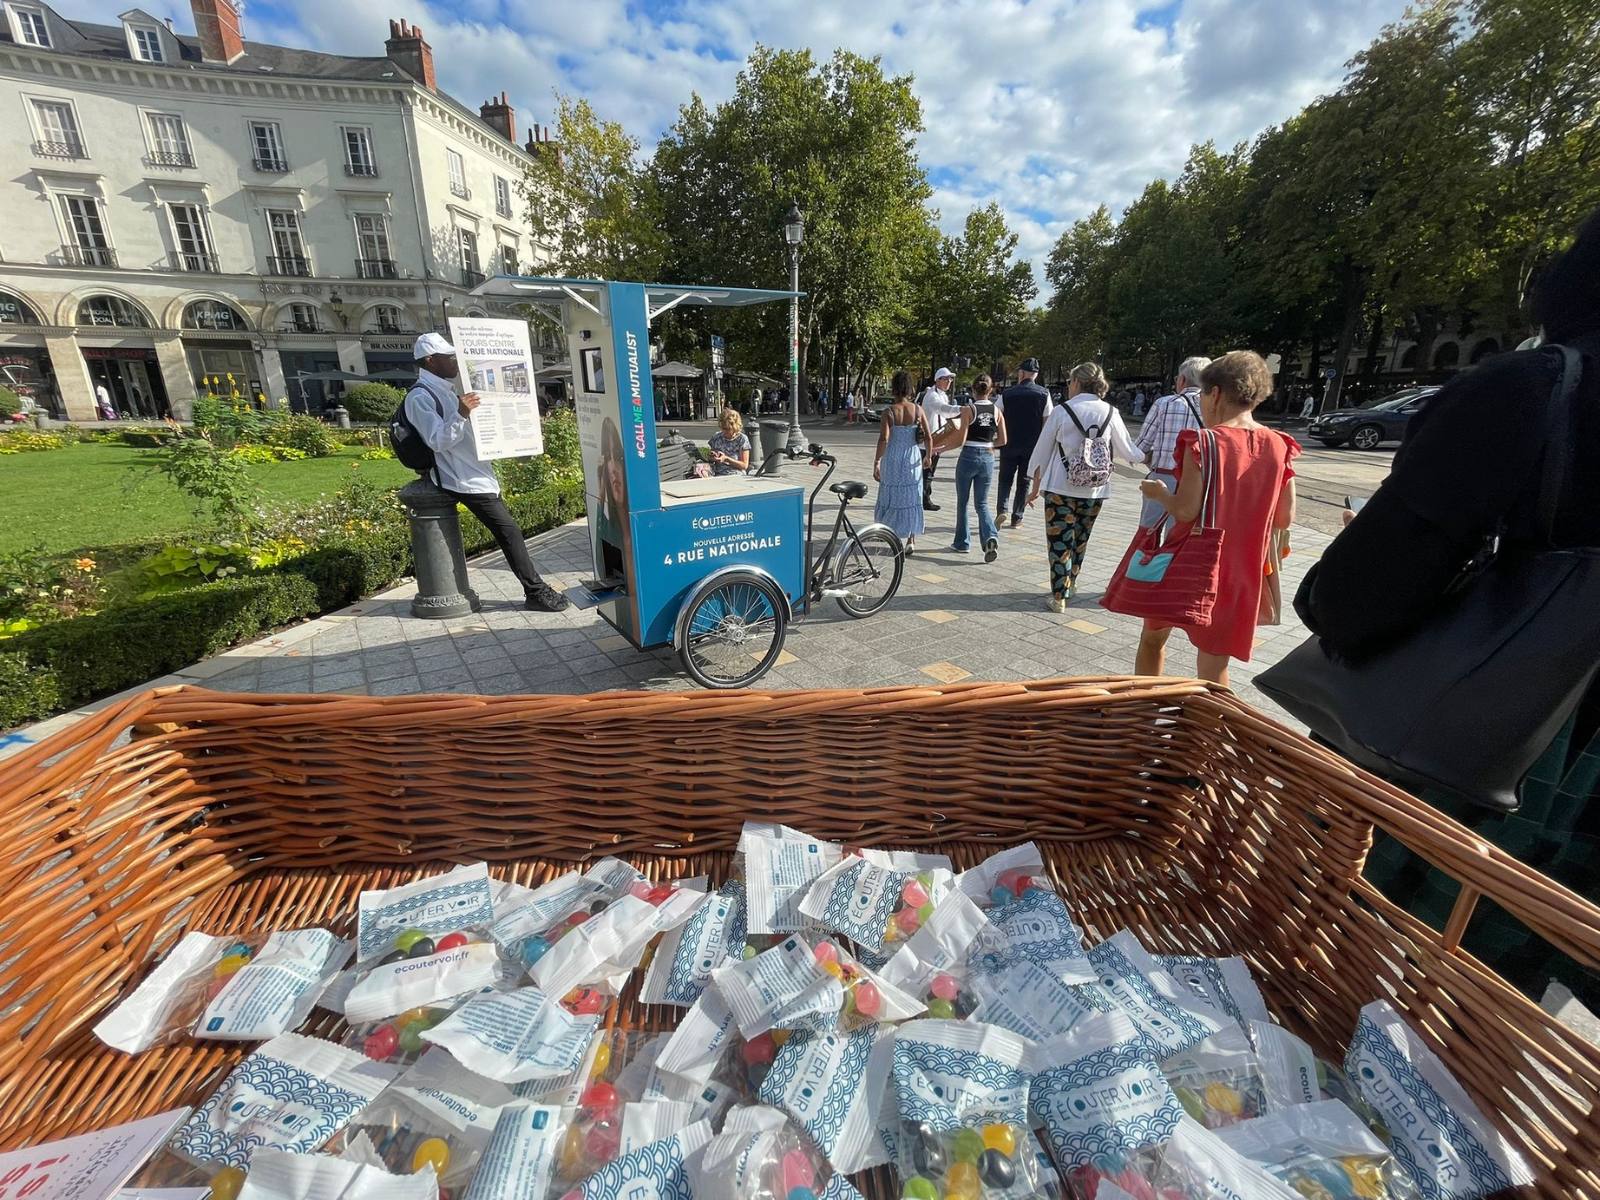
(91, 494)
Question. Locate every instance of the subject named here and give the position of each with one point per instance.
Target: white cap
(432, 343)
(943, 373)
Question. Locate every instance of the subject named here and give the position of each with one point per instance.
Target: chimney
(216, 23)
(539, 144)
(406, 49)
(501, 116)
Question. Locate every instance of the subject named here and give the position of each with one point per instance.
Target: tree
(591, 208)
(972, 298)
(1075, 324)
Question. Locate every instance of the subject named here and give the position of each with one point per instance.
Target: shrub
(299, 431)
(227, 421)
(21, 441)
(37, 588)
(144, 439)
(70, 663)
(261, 455)
(213, 480)
(345, 569)
(10, 404)
(373, 402)
(562, 457)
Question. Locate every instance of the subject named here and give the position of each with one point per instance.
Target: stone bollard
(441, 568)
(340, 416)
(752, 430)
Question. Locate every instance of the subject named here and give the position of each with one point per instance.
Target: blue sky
(1049, 106)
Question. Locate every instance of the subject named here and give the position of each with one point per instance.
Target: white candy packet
(643, 1078)
(659, 1171)
(759, 1153)
(1224, 983)
(1100, 1094)
(611, 942)
(1037, 926)
(1003, 877)
(1168, 1014)
(1288, 1066)
(706, 1033)
(780, 864)
(280, 1175)
(1307, 1146)
(240, 989)
(1219, 1081)
(939, 961)
(293, 1093)
(1027, 999)
(791, 987)
(513, 1036)
(871, 904)
(712, 937)
(520, 1160)
(523, 912)
(835, 1086)
(646, 1121)
(1192, 1162)
(1441, 1137)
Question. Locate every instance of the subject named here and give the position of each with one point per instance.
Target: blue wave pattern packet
(1170, 1017)
(1321, 1145)
(712, 937)
(1441, 1137)
(1224, 983)
(835, 1086)
(1037, 926)
(1027, 999)
(293, 1093)
(460, 899)
(858, 898)
(1100, 1095)
(515, 1036)
(659, 1171)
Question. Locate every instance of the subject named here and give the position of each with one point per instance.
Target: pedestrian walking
(102, 395)
(985, 430)
(1071, 468)
(442, 418)
(1158, 436)
(938, 408)
(1253, 495)
(904, 443)
(850, 408)
(1025, 405)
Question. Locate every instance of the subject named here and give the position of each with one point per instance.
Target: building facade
(183, 207)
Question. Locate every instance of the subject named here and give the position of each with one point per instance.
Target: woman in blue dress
(903, 441)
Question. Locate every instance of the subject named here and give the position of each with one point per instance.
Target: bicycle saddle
(849, 489)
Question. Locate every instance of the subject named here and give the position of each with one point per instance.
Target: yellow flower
(84, 564)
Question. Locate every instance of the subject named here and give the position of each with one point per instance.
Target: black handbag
(1467, 703)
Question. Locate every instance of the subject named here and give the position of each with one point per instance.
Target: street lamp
(336, 303)
(794, 232)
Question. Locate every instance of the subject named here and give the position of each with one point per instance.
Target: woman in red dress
(1255, 495)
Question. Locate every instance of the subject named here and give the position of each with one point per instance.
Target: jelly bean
(229, 964)
(748, 952)
(908, 921)
(834, 969)
(867, 997)
(966, 1146)
(778, 1036)
(941, 1010)
(420, 948)
(797, 1170)
(660, 894)
(452, 941)
(411, 1038)
(600, 1101)
(759, 1049)
(434, 1152)
(925, 878)
(584, 1002)
(408, 938)
(1000, 1137)
(577, 918)
(242, 948)
(891, 932)
(825, 952)
(603, 1141)
(927, 1152)
(1009, 877)
(801, 1193)
(641, 888)
(381, 1043)
(996, 1169)
(1192, 1104)
(393, 956)
(919, 1187)
(913, 894)
(999, 896)
(1222, 1099)
(1034, 892)
(570, 1159)
(602, 1060)
(225, 1184)
(962, 1181)
(533, 949)
(925, 912)
(945, 987)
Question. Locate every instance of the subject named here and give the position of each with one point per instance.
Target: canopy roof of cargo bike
(535, 289)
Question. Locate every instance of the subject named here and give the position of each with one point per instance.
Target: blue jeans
(974, 479)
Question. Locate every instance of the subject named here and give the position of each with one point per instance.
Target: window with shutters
(169, 141)
(193, 235)
(58, 130)
(358, 159)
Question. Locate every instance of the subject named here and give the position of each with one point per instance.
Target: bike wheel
(869, 568)
(733, 631)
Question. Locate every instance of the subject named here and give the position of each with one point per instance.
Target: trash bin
(774, 435)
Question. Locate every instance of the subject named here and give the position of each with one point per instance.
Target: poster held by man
(497, 364)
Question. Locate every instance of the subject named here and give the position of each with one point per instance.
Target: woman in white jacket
(1071, 465)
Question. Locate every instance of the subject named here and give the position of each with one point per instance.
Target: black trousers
(1013, 465)
(492, 511)
(927, 480)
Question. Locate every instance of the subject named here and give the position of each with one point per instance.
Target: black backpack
(407, 442)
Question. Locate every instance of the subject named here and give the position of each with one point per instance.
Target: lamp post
(794, 232)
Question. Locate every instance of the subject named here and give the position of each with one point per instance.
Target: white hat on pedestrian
(430, 344)
(943, 373)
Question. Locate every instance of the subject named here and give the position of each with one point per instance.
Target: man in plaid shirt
(1158, 436)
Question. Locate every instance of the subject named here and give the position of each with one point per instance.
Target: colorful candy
(228, 964)
(451, 941)
(1000, 1137)
(919, 1187)
(408, 938)
(996, 1169)
(602, 1059)
(434, 1152)
(941, 1010)
(584, 1002)
(420, 948)
(641, 888)
(797, 1170)
(825, 953)
(603, 1141)
(945, 987)
(381, 1043)
(600, 1102)
(226, 1183)
(533, 949)
(868, 1000)
(913, 894)
(759, 1049)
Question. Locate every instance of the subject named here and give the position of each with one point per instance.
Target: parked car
(1376, 422)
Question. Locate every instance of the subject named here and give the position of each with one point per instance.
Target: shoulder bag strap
(1073, 417)
(1206, 444)
(1557, 442)
(1193, 411)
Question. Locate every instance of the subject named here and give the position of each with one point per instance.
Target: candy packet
(962, 1092)
(836, 1087)
(660, 1170)
(249, 988)
(1441, 1137)
(1219, 1082)
(513, 1036)
(1036, 925)
(421, 943)
(281, 1175)
(713, 936)
(643, 1078)
(1224, 983)
(1322, 1150)
(1168, 1014)
(520, 1160)
(646, 1121)
(761, 1155)
(599, 951)
(1004, 877)
(797, 986)
(936, 962)
(293, 1093)
(1027, 999)
(874, 905)
(780, 864)
(545, 912)
(1192, 1164)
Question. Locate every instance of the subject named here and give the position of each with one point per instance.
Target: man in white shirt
(1158, 437)
(442, 419)
(939, 409)
(102, 395)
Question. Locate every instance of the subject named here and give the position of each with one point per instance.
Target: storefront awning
(676, 370)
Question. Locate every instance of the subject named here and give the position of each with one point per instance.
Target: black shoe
(1015, 521)
(991, 550)
(929, 506)
(544, 598)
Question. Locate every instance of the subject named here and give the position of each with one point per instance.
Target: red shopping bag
(1170, 577)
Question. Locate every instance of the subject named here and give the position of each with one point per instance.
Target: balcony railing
(363, 170)
(457, 188)
(190, 260)
(376, 268)
(289, 264)
(90, 256)
(471, 278)
(503, 210)
(72, 149)
(170, 158)
(271, 166)
(312, 325)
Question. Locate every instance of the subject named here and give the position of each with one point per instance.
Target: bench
(676, 460)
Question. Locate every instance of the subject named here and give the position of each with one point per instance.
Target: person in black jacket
(1471, 459)
(1025, 405)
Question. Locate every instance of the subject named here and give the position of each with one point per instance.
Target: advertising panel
(497, 363)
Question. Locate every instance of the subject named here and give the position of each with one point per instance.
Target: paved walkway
(954, 618)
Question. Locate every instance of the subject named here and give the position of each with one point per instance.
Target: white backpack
(1090, 467)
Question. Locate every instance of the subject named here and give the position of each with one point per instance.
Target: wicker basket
(1165, 806)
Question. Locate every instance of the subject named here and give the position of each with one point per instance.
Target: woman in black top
(1471, 460)
(984, 428)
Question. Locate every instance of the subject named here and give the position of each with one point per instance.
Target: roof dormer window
(28, 25)
(145, 42)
